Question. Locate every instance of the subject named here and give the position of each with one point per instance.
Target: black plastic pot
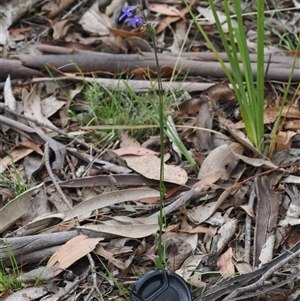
(161, 285)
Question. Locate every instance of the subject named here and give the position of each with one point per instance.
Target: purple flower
(127, 12)
(134, 20)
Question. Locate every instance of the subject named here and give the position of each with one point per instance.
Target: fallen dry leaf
(138, 151)
(53, 8)
(32, 106)
(210, 179)
(164, 23)
(248, 210)
(284, 140)
(95, 21)
(127, 141)
(109, 256)
(31, 145)
(225, 233)
(15, 156)
(243, 267)
(293, 125)
(198, 229)
(108, 199)
(189, 107)
(225, 264)
(61, 28)
(15, 208)
(177, 251)
(71, 251)
(266, 216)
(124, 230)
(165, 9)
(125, 33)
(266, 253)
(40, 223)
(270, 115)
(10, 100)
(51, 105)
(217, 92)
(149, 167)
(30, 293)
(221, 159)
(199, 214)
(190, 264)
(264, 163)
(204, 121)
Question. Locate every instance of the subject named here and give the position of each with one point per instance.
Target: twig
(279, 167)
(79, 194)
(74, 286)
(94, 276)
(48, 167)
(73, 8)
(52, 128)
(264, 291)
(176, 204)
(263, 278)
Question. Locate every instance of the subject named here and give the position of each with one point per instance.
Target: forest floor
(80, 154)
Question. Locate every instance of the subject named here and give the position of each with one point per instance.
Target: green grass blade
(260, 79)
(284, 98)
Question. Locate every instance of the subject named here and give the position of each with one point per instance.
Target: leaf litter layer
(83, 135)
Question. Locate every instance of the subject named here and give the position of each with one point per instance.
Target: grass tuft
(112, 108)
(250, 94)
(14, 181)
(8, 278)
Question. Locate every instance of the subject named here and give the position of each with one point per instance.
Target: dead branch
(35, 248)
(242, 283)
(89, 61)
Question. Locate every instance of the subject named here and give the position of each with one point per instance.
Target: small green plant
(169, 98)
(287, 40)
(8, 278)
(122, 290)
(116, 108)
(14, 181)
(31, 10)
(276, 127)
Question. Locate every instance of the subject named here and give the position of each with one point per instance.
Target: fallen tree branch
(35, 248)
(120, 63)
(239, 284)
(136, 85)
(276, 67)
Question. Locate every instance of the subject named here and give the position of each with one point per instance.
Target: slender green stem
(284, 98)
(260, 85)
(160, 245)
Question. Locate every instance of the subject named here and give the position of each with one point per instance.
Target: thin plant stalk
(260, 84)
(162, 189)
(134, 20)
(284, 98)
